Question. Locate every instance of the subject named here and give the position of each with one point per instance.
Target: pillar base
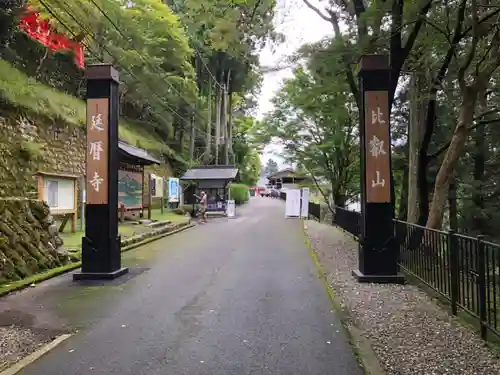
(378, 279)
(100, 275)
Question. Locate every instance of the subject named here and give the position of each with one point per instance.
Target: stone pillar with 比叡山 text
(378, 249)
(101, 255)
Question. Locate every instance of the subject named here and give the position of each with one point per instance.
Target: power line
(197, 52)
(70, 13)
(139, 54)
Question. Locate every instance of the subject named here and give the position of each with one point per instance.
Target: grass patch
(39, 277)
(23, 91)
(19, 90)
(168, 215)
(127, 229)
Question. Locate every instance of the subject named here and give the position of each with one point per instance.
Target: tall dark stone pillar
(101, 255)
(378, 249)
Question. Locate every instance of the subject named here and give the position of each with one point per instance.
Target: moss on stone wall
(29, 240)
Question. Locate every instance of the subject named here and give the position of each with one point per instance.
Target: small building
(286, 179)
(214, 180)
(132, 192)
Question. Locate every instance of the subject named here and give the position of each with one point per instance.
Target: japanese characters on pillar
(378, 147)
(97, 151)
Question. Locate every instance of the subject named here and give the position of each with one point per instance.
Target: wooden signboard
(97, 151)
(377, 147)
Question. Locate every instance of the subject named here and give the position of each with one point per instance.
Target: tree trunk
(479, 155)
(208, 139)
(223, 124)
(451, 157)
(230, 127)
(192, 137)
(415, 133)
(217, 123)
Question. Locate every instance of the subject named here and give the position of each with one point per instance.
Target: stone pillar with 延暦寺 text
(101, 253)
(378, 249)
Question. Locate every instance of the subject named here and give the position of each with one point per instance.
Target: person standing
(203, 206)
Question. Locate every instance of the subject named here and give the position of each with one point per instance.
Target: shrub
(239, 193)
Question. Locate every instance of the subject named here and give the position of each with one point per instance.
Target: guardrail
(463, 269)
(348, 220)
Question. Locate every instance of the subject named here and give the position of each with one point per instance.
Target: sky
(300, 25)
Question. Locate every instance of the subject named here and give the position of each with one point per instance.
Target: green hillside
(21, 91)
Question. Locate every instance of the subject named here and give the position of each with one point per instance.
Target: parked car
(265, 193)
(275, 193)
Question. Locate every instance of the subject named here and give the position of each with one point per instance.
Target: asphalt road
(235, 296)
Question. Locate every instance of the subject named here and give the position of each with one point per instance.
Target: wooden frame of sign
(66, 213)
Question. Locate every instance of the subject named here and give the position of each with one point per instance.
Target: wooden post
(150, 195)
(101, 253)
(162, 198)
(122, 212)
(378, 249)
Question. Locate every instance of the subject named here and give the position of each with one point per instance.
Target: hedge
(239, 192)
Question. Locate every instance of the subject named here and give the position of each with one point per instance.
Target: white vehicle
(267, 192)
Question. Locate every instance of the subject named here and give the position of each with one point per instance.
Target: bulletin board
(60, 192)
(130, 186)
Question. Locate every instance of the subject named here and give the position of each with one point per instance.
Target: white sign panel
(158, 186)
(173, 190)
(59, 194)
(304, 207)
(292, 204)
(230, 209)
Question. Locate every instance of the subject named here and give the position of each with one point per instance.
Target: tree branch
(399, 56)
(476, 125)
(317, 11)
(473, 46)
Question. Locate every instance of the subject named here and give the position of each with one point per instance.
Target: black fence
(348, 220)
(315, 211)
(463, 269)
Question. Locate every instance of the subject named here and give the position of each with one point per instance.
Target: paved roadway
(237, 297)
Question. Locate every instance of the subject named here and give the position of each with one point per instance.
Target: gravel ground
(17, 343)
(408, 332)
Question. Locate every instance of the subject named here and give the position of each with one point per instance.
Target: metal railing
(348, 220)
(315, 211)
(463, 269)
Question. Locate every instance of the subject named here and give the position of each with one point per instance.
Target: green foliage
(29, 151)
(239, 193)
(22, 91)
(9, 16)
(18, 90)
(245, 149)
(271, 167)
(315, 120)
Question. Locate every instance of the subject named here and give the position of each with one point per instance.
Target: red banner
(40, 30)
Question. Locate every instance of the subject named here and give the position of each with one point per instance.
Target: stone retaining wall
(29, 240)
